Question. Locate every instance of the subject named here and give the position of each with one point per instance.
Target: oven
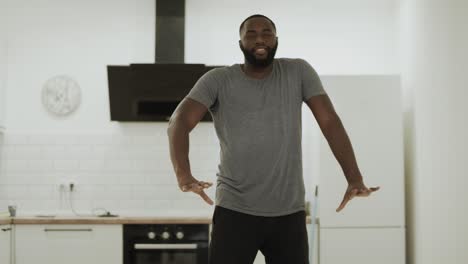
(166, 243)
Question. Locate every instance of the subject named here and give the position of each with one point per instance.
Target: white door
(370, 109)
(71, 244)
(362, 245)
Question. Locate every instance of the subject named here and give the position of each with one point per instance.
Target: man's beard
(260, 63)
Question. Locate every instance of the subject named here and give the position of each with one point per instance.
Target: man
(256, 109)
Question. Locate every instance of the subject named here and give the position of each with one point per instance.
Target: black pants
(236, 237)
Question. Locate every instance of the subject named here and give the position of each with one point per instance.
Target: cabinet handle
(68, 230)
(165, 246)
(6, 229)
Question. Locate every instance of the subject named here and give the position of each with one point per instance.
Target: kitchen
(63, 172)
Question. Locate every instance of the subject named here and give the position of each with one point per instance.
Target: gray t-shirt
(258, 123)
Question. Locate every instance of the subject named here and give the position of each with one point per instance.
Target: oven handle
(166, 246)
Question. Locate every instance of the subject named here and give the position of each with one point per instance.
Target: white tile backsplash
(126, 174)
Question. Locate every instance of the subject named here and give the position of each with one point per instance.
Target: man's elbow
(172, 125)
(176, 124)
(329, 123)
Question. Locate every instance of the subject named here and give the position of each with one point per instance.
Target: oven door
(190, 253)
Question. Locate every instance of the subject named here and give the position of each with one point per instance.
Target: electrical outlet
(66, 185)
(61, 185)
(71, 186)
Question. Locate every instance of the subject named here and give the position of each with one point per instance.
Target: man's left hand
(356, 190)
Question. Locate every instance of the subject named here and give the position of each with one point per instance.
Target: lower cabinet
(71, 244)
(362, 245)
(5, 244)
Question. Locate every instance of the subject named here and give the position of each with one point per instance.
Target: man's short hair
(253, 16)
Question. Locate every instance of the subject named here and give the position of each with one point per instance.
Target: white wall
(80, 38)
(434, 70)
(3, 60)
(336, 36)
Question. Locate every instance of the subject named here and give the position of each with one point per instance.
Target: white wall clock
(61, 95)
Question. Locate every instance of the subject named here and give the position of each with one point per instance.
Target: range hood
(151, 92)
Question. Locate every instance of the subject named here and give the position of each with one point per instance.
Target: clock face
(61, 95)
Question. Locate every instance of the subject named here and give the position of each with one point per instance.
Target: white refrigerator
(369, 230)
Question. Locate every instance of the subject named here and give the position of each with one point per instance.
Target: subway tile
(131, 172)
(34, 207)
(53, 152)
(144, 140)
(3, 191)
(121, 140)
(19, 152)
(41, 192)
(122, 192)
(28, 152)
(95, 140)
(19, 178)
(160, 178)
(81, 207)
(83, 191)
(91, 165)
(194, 206)
(65, 165)
(132, 206)
(52, 139)
(117, 165)
(109, 152)
(145, 166)
(79, 152)
(11, 139)
(95, 178)
(3, 205)
(157, 206)
(156, 192)
(41, 140)
(130, 178)
(40, 165)
(106, 204)
(16, 192)
(14, 165)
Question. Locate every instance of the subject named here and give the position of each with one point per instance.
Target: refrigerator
(368, 230)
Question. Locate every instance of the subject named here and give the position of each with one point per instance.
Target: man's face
(258, 42)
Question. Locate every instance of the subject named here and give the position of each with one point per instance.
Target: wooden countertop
(5, 221)
(77, 220)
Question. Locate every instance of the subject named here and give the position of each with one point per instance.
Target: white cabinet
(368, 230)
(5, 244)
(71, 244)
(370, 109)
(362, 245)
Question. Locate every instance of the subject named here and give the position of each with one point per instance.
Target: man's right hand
(198, 188)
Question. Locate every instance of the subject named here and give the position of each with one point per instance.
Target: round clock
(61, 95)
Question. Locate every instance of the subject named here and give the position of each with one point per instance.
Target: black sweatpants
(236, 237)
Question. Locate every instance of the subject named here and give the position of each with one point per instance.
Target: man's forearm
(342, 149)
(179, 151)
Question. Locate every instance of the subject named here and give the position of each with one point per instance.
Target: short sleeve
(205, 90)
(311, 83)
